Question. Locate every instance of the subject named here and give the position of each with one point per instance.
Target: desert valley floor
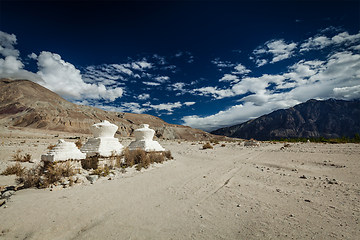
(305, 191)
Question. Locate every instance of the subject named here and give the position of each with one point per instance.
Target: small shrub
(214, 141)
(168, 155)
(19, 158)
(156, 157)
(223, 145)
(101, 172)
(207, 146)
(78, 143)
(44, 176)
(16, 169)
(51, 146)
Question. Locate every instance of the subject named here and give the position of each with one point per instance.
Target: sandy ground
(306, 191)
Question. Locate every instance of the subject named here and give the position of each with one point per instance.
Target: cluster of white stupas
(103, 144)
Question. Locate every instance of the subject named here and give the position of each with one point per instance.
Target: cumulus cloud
(165, 106)
(63, 78)
(143, 96)
(336, 77)
(11, 65)
(235, 114)
(320, 42)
(241, 69)
(229, 78)
(279, 50)
(162, 79)
(7, 42)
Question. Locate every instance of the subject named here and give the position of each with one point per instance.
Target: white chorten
(103, 142)
(63, 151)
(144, 136)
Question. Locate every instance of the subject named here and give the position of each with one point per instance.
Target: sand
(305, 191)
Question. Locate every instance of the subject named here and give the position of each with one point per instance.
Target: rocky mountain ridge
(24, 103)
(330, 119)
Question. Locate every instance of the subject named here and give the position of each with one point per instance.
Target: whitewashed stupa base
(105, 147)
(63, 151)
(144, 136)
(147, 146)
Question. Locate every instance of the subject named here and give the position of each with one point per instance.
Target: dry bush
(214, 141)
(101, 172)
(142, 159)
(223, 145)
(207, 146)
(168, 155)
(156, 157)
(19, 158)
(78, 143)
(51, 146)
(44, 176)
(16, 169)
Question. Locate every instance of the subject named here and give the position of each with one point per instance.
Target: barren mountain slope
(26, 104)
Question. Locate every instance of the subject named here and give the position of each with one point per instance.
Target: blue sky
(205, 64)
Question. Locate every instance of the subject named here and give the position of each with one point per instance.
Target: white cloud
(143, 96)
(241, 69)
(189, 103)
(32, 56)
(337, 77)
(222, 64)
(11, 65)
(7, 42)
(236, 114)
(320, 42)
(261, 62)
(165, 106)
(131, 107)
(229, 78)
(162, 79)
(151, 83)
(279, 50)
(215, 92)
(63, 78)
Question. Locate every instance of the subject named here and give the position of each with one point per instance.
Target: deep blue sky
(206, 64)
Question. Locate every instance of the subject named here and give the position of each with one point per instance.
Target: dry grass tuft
(207, 146)
(19, 158)
(78, 143)
(101, 172)
(51, 146)
(16, 169)
(142, 159)
(44, 176)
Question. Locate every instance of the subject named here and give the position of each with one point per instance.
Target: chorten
(64, 151)
(103, 142)
(144, 140)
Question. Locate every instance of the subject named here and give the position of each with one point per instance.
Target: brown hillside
(27, 104)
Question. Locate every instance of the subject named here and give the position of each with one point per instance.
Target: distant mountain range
(328, 119)
(27, 104)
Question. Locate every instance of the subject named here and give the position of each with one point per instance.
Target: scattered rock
(2, 202)
(7, 194)
(304, 177)
(92, 178)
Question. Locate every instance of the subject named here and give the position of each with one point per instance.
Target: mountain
(27, 104)
(329, 119)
